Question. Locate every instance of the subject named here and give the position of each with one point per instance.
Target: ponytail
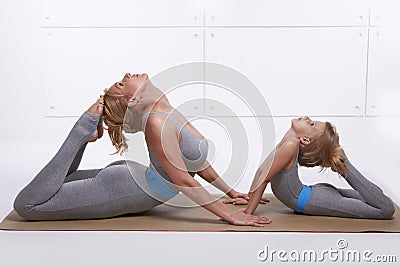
(113, 116)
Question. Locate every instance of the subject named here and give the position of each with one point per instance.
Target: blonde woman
(314, 143)
(177, 151)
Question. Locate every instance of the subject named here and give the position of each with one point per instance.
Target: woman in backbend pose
(177, 152)
(314, 143)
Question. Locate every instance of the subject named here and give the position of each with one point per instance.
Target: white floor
(195, 249)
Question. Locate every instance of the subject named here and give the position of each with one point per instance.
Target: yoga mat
(171, 218)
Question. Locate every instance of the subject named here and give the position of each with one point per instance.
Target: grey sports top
(286, 185)
(194, 150)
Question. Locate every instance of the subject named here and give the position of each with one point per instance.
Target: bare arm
(211, 176)
(268, 170)
(236, 198)
(162, 137)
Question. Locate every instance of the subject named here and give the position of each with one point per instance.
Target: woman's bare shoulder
(287, 153)
(157, 125)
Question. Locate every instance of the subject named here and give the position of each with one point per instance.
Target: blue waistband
(158, 184)
(304, 196)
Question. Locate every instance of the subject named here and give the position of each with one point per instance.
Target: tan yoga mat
(197, 219)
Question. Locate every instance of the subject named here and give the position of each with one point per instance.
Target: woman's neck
(290, 135)
(157, 101)
(161, 104)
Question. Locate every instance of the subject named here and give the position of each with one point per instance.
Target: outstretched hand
(97, 109)
(241, 198)
(242, 201)
(243, 219)
(234, 194)
(237, 198)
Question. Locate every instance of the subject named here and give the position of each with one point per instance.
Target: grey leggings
(61, 192)
(366, 201)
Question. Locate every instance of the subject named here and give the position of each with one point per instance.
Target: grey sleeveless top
(194, 150)
(286, 185)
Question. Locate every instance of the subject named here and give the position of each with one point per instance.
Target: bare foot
(97, 109)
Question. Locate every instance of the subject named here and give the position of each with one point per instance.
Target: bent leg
(349, 193)
(112, 192)
(371, 193)
(50, 179)
(81, 175)
(327, 201)
(366, 200)
(78, 157)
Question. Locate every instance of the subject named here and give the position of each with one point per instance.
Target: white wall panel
(230, 145)
(80, 63)
(188, 99)
(385, 13)
(287, 13)
(383, 73)
(122, 13)
(231, 98)
(315, 71)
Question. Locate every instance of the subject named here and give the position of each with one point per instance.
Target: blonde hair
(113, 116)
(324, 150)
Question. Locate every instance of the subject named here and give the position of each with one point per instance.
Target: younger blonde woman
(313, 143)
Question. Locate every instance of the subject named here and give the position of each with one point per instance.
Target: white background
(335, 60)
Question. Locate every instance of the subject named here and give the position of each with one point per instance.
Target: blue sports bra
(194, 152)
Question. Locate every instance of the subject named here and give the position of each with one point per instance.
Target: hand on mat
(243, 219)
(235, 194)
(97, 109)
(243, 200)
